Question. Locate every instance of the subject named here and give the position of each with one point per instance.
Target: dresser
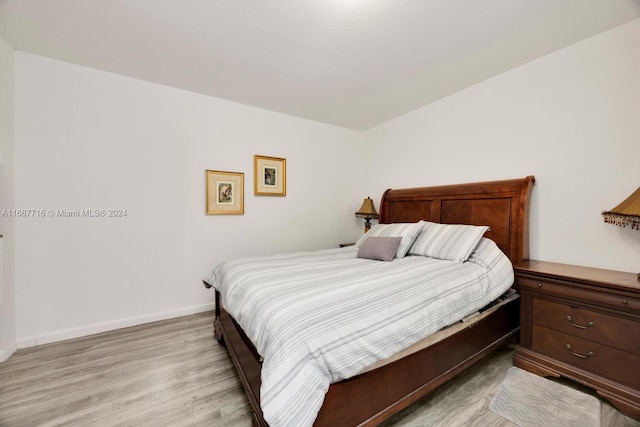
(583, 324)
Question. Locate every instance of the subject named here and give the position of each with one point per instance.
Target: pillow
(408, 232)
(379, 248)
(454, 242)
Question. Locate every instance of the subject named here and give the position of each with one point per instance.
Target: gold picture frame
(225, 192)
(270, 176)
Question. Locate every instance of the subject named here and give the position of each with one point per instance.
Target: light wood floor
(173, 373)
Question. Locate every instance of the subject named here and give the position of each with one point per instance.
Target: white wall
(89, 139)
(570, 118)
(7, 283)
(94, 140)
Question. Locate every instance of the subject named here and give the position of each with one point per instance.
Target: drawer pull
(581, 356)
(589, 325)
(625, 302)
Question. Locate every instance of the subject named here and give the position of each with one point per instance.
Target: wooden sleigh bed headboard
(502, 205)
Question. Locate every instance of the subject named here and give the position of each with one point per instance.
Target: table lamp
(368, 212)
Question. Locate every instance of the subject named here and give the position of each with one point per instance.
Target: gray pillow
(379, 248)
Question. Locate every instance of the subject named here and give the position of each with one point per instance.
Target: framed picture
(270, 176)
(225, 192)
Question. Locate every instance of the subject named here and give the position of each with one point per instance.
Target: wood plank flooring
(173, 373)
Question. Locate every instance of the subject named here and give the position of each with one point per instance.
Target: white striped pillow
(454, 242)
(408, 232)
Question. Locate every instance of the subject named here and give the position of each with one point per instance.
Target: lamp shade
(367, 210)
(626, 213)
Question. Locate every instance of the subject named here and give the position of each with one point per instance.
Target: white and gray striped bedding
(323, 316)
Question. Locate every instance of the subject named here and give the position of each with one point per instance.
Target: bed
(384, 389)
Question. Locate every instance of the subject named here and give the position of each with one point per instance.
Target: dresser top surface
(576, 273)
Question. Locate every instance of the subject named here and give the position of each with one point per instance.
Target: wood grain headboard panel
(502, 205)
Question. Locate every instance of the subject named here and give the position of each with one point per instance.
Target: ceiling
(352, 63)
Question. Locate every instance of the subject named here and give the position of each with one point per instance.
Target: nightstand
(583, 324)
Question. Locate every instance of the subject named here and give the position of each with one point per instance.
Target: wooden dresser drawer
(610, 299)
(612, 331)
(582, 323)
(620, 366)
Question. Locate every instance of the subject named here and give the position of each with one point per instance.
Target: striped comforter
(323, 316)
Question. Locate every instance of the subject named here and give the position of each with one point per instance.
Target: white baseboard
(6, 353)
(97, 328)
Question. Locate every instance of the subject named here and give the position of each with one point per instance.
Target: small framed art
(270, 176)
(225, 192)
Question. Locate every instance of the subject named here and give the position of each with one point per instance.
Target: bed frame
(369, 398)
